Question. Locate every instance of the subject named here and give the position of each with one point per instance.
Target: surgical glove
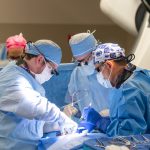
(67, 125)
(70, 110)
(84, 125)
(92, 120)
(90, 115)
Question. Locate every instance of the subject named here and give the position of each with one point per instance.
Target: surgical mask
(104, 82)
(88, 69)
(45, 75)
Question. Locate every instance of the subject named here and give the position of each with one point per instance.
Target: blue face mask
(88, 69)
(104, 82)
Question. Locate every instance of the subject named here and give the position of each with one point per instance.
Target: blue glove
(92, 119)
(90, 115)
(84, 125)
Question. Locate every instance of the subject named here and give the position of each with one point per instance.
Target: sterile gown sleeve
(127, 113)
(18, 96)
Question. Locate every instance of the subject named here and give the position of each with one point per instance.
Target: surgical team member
(25, 112)
(130, 105)
(15, 46)
(83, 85)
(13, 49)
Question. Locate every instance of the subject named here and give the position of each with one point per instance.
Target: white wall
(142, 45)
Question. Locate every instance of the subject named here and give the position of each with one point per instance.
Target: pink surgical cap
(16, 41)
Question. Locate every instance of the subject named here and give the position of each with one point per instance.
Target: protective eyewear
(50, 64)
(100, 66)
(84, 60)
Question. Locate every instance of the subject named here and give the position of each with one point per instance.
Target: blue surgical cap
(50, 50)
(82, 44)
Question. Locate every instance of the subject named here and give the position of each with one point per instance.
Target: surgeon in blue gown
(130, 104)
(83, 86)
(25, 113)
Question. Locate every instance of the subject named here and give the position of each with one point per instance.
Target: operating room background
(57, 19)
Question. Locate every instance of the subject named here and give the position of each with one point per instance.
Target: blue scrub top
(130, 106)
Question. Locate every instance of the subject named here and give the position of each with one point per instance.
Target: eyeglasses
(99, 68)
(84, 60)
(50, 64)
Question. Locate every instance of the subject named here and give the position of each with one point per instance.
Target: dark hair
(29, 56)
(125, 60)
(120, 61)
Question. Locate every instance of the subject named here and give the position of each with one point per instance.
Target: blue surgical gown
(130, 106)
(96, 95)
(25, 113)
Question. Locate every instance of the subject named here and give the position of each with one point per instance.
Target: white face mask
(105, 82)
(88, 69)
(44, 76)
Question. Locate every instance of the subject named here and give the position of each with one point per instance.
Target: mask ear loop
(109, 73)
(108, 79)
(102, 70)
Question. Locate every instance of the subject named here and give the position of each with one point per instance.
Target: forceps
(72, 104)
(99, 144)
(125, 141)
(136, 140)
(146, 140)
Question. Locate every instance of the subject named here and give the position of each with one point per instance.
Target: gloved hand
(69, 110)
(92, 119)
(67, 125)
(89, 114)
(84, 125)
